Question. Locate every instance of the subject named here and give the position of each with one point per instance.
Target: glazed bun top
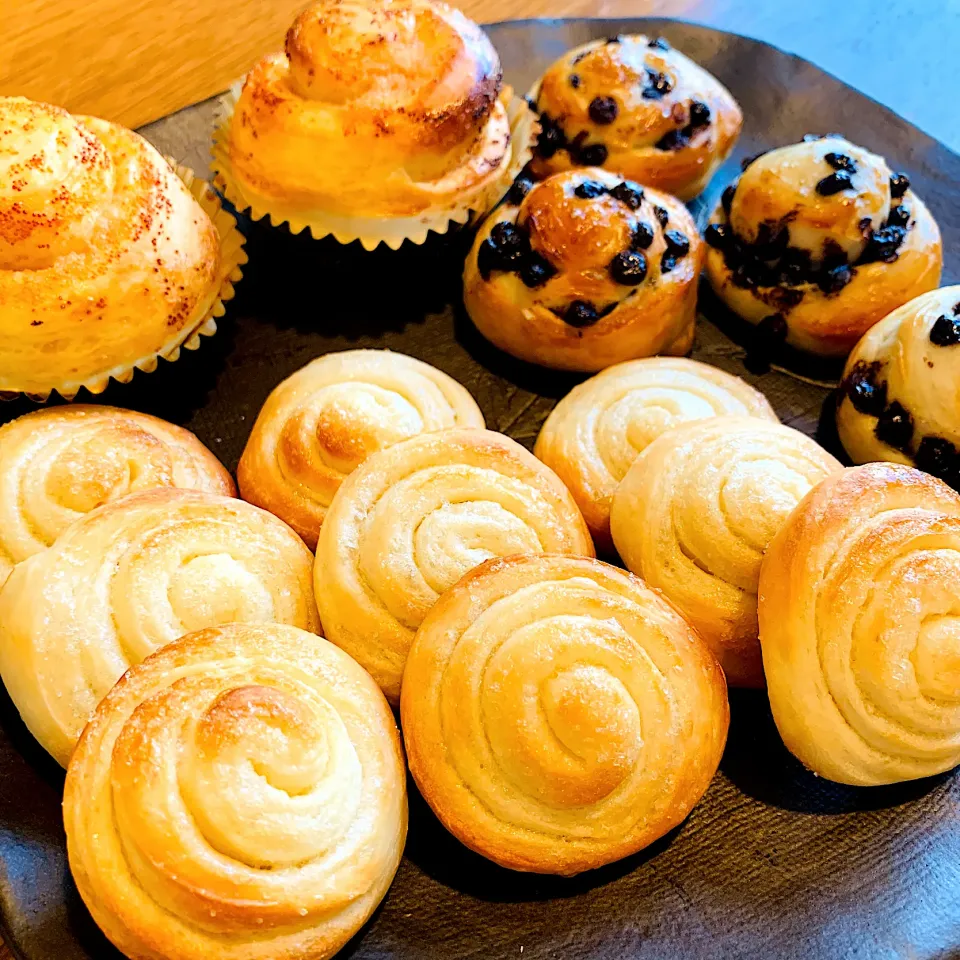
(831, 193)
(376, 107)
(636, 106)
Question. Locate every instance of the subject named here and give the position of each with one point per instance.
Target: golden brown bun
(413, 519)
(559, 715)
(60, 463)
(377, 108)
(823, 264)
(105, 257)
(534, 261)
(859, 627)
(240, 794)
(695, 513)
(900, 395)
(642, 110)
(129, 577)
(598, 429)
(322, 422)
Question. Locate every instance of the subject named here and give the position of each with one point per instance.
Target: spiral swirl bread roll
(58, 464)
(860, 629)
(414, 518)
(321, 423)
(584, 270)
(106, 259)
(129, 577)
(559, 715)
(596, 431)
(239, 794)
(900, 394)
(377, 109)
(639, 108)
(818, 241)
(695, 513)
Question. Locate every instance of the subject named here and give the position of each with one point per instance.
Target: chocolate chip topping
(658, 43)
(488, 258)
(840, 161)
(834, 183)
(642, 236)
(939, 457)
(581, 313)
(899, 216)
(867, 392)
(574, 80)
(521, 187)
(628, 268)
(663, 218)
(628, 193)
(884, 244)
(895, 427)
(834, 279)
(536, 270)
(677, 243)
(603, 110)
(699, 114)
(658, 85)
(551, 139)
(589, 190)
(511, 242)
(592, 155)
(945, 331)
(899, 185)
(716, 235)
(726, 198)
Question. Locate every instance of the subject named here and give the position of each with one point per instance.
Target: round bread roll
(860, 629)
(129, 577)
(375, 109)
(240, 794)
(322, 422)
(639, 108)
(413, 519)
(559, 715)
(817, 241)
(106, 259)
(585, 270)
(598, 429)
(900, 395)
(60, 463)
(695, 513)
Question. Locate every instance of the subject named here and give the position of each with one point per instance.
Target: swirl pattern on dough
(695, 513)
(860, 626)
(559, 715)
(817, 241)
(131, 576)
(239, 794)
(584, 270)
(900, 394)
(376, 108)
(106, 259)
(58, 464)
(322, 422)
(413, 519)
(594, 434)
(641, 109)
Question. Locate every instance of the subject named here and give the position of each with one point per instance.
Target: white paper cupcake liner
(372, 231)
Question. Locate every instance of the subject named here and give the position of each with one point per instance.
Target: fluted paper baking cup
(372, 231)
(232, 258)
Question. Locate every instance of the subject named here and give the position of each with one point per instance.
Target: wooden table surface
(137, 60)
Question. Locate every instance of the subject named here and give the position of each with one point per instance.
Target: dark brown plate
(773, 863)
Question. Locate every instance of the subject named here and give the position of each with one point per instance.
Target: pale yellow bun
(375, 109)
(900, 394)
(639, 108)
(58, 464)
(559, 715)
(106, 258)
(859, 626)
(819, 240)
(322, 422)
(598, 429)
(241, 794)
(129, 577)
(580, 273)
(695, 513)
(414, 518)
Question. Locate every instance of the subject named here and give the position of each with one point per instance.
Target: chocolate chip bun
(817, 241)
(900, 395)
(637, 107)
(584, 270)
